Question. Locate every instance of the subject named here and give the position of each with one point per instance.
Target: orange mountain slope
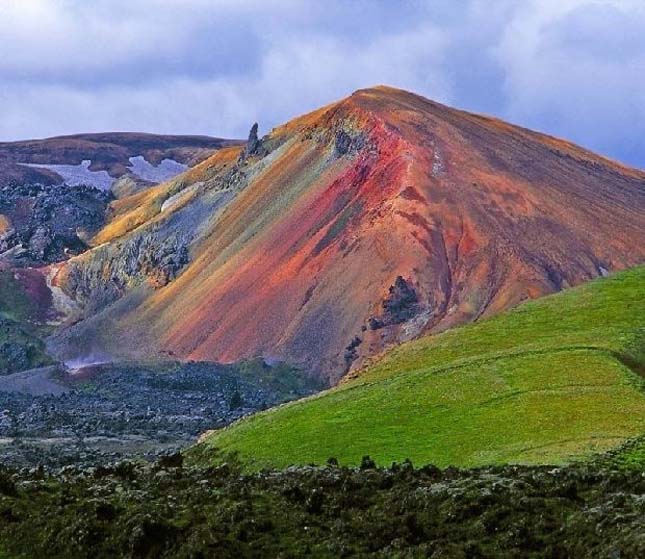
(362, 224)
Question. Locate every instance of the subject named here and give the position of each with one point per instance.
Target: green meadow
(552, 381)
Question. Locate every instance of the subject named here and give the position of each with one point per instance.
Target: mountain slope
(350, 229)
(546, 382)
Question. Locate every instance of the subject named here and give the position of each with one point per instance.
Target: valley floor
(138, 410)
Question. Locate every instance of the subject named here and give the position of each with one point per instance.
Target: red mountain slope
(368, 222)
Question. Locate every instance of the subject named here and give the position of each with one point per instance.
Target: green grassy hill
(552, 380)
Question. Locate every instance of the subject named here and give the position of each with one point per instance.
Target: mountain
(366, 223)
(101, 158)
(547, 382)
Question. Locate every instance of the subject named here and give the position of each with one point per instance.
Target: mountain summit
(362, 224)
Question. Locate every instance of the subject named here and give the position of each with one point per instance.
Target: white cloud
(296, 72)
(569, 70)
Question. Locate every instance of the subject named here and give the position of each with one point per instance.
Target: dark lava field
(105, 412)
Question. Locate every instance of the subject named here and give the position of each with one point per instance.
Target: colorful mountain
(366, 223)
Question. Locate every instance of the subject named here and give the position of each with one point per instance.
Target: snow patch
(166, 170)
(75, 175)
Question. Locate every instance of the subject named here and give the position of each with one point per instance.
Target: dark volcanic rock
(400, 305)
(346, 142)
(19, 348)
(253, 141)
(156, 256)
(40, 242)
(343, 142)
(136, 409)
(15, 354)
(351, 351)
(51, 222)
(173, 509)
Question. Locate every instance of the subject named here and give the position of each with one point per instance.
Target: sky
(571, 68)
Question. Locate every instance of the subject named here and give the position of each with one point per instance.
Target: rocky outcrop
(253, 142)
(401, 304)
(102, 277)
(346, 142)
(254, 146)
(351, 351)
(50, 223)
(19, 349)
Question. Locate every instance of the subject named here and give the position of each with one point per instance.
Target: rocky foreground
(173, 510)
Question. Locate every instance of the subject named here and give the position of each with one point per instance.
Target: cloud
(194, 68)
(577, 69)
(569, 67)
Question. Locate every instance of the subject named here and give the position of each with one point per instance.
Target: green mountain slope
(552, 380)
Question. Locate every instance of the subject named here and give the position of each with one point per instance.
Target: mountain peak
(381, 90)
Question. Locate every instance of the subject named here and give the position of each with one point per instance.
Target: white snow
(74, 175)
(167, 169)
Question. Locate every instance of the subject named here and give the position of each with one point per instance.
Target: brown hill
(362, 224)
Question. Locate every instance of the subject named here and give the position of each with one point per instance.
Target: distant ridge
(109, 151)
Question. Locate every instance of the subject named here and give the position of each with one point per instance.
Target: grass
(551, 381)
(630, 456)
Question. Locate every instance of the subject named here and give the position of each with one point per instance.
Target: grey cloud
(601, 31)
(556, 82)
